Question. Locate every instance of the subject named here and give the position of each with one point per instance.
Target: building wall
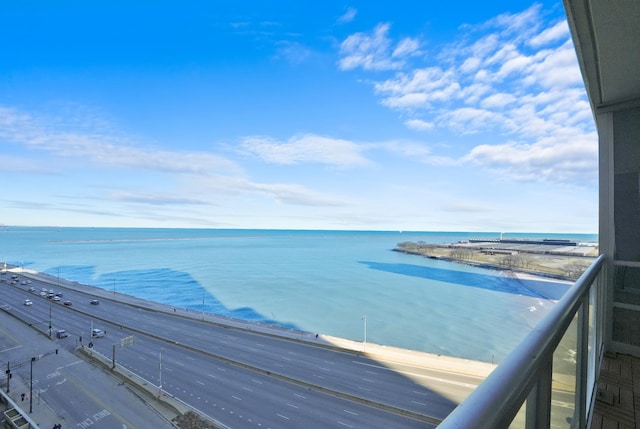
(625, 297)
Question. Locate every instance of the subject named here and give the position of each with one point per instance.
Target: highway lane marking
(235, 397)
(10, 348)
(329, 362)
(142, 357)
(179, 363)
(286, 358)
(418, 403)
(247, 389)
(428, 377)
(371, 372)
(344, 424)
(70, 364)
(167, 369)
(292, 406)
(280, 415)
(420, 393)
(200, 382)
(300, 396)
(323, 368)
(318, 376)
(368, 380)
(350, 412)
(256, 381)
(222, 369)
(364, 388)
(211, 375)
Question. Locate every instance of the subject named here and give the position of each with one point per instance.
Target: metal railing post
(539, 400)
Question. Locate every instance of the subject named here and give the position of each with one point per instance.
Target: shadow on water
(429, 403)
(165, 286)
(498, 283)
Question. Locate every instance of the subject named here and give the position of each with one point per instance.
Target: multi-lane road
(241, 378)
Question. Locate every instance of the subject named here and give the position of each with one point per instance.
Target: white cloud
(103, 148)
(375, 51)
(554, 159)
(419, 124)
(497, 100)
(514, 78)
(557, 32)
(305, 148)
(406, 47)
(469, 120)
(348, 16)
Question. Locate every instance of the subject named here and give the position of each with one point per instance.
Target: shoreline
(436, 252)
(388, 354)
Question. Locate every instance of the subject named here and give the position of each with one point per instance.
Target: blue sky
(430, 116)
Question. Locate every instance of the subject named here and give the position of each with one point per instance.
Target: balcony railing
(550, 378)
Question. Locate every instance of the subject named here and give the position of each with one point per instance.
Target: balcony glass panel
(563, 388)
(520, 422)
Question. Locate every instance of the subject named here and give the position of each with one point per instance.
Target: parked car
(67, 303)
(94, 302)
(97, 333)
(28, 302)
(61, 333)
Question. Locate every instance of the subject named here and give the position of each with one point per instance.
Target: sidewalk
(42, 415)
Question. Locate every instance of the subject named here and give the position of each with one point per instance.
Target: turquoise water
(316, 281)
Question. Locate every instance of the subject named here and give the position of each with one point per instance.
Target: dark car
(67, 303)
(94, 302)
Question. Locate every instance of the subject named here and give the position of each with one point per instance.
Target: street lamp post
(364, 344)
(33, 359)
(160, 380)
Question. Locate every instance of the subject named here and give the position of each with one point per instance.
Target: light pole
(114, 289)
(160, 380)
(364, 344)
(33, 359)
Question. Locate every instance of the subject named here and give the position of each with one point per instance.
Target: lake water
(316, 281)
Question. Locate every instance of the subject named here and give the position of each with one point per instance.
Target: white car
(97, 333)
(28, 302)
(56, 298)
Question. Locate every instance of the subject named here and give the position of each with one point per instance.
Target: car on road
(68, 303)
(32, 289)
(97, 333)
(28, 302)
(56, 298)
(94, 302)
(61, 333)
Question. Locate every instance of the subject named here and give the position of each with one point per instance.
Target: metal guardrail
(526, 373)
